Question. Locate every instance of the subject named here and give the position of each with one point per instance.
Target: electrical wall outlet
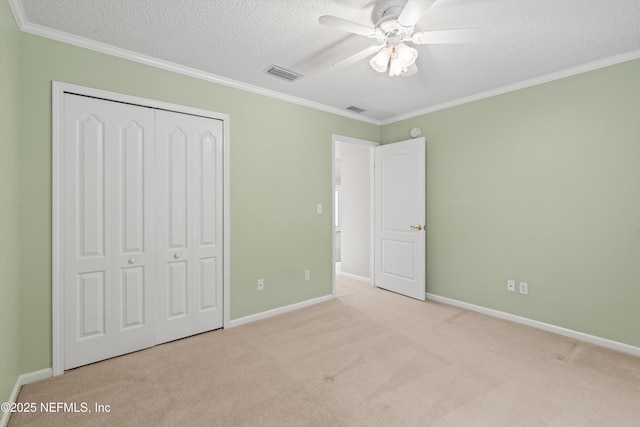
(307, 275)
(511, 285)
(260, 284)
(524, 288)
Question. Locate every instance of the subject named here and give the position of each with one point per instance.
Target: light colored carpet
(367, 358)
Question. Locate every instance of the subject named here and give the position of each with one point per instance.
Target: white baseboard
(23, 379)
(276, 311)
(355, 277)
(604, 342)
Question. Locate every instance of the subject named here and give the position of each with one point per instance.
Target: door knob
(176, 255)
(418, 228)
(132, 260)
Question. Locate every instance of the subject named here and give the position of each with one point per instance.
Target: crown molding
(25, 26)
(590, 66)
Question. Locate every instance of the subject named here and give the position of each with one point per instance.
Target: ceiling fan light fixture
(380, 62)
(395, 23)
(397, 58)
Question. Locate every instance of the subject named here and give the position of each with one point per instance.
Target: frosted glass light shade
(402, 58)
(381, 60)
(406, 55)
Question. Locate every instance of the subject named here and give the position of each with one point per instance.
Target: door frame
(371, 146)
(58, 89)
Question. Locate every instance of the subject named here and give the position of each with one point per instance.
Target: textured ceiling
(521, 41)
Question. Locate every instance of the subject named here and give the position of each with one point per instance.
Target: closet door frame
(58, 90)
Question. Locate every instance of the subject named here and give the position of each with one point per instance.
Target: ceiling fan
(394, 28)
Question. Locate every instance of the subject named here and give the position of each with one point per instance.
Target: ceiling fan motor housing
(387, 7)
(391, 31)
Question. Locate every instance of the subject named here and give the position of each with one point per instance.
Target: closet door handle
(132, 260)
(176, 255)
(418, 228)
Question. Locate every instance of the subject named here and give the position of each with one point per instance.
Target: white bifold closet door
(108, 235)
(189, 224)
(142, 229)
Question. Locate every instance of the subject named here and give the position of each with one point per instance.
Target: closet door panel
(177, 189)
(174, 157)
(108, 241)
(132, 205)
(189, 182)
(207, 161)
(134, 299)
(207, 299)
(131, 154)
(87, 224)
(90, 170)
(177, 290)
(208, 224)
(90, 294)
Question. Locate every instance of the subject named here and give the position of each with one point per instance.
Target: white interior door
(108, 169)
(189, 224)
(400, 217)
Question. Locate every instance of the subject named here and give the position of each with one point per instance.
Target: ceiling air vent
(283, 73)
(355, 109)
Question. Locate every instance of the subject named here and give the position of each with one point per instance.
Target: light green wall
(541, 185)
(9, 203)
(280, 156)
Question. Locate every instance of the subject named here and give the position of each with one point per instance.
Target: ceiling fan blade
(344, 25)
(413, 11)
(463, 35)
(358, 56)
